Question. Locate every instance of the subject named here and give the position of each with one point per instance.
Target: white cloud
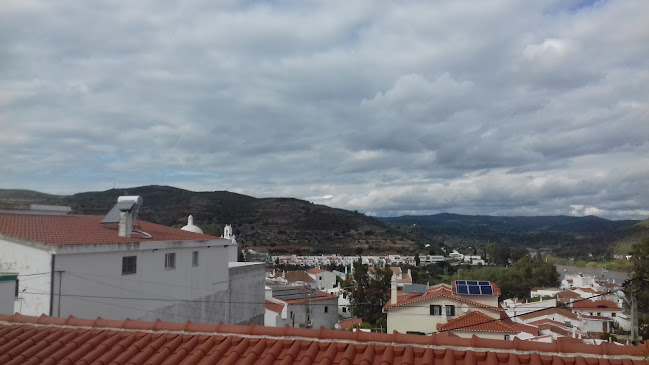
(502, 107)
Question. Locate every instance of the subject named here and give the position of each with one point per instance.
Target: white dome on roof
(190, 227)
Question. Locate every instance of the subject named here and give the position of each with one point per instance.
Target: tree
(368, 294)
(417, 260)
(640, 259)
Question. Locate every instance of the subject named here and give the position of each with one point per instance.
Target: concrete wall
(416, 317)
(7, 293)
(92, 283)
(319, 316)
(247, 292)
(33, 266)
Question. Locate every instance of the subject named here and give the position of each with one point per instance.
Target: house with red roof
(598, 316)
(50, 340)
(117, 267)
(323, 279)
(418, 309)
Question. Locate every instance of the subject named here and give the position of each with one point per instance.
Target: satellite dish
(464, 308)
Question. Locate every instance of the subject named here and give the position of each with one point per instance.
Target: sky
(500, 107)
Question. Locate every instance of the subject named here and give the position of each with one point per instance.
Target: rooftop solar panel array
(473, 287)
(296, 293)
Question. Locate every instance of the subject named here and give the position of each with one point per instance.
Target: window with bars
(129, 265)
(170, 260)
(435, 310)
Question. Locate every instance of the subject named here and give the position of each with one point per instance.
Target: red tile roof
(84, 229)
(606, 305)
(476, 322)
(294, 276)
(315, 271)
(275, 307)
(349, 323)
(549, 311)
(49, 340)
(565, 296)
(441, 290)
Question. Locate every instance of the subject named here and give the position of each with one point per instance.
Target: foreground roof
(441, 290)
(84, 229)
(50, 340)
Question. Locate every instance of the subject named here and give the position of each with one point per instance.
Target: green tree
(368, 294)
(417, 260)
(640, 259)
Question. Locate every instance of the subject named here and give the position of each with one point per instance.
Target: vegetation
(640, 261)
(368, 294)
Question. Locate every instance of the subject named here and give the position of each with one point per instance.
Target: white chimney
(125, 223)
(393, 290)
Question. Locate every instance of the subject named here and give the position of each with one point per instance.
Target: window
(344, 309)
(17, 291)
(129, 265)
(612, 314)
(415, 333)
(195, 258)
(506, 337)
(319, 277)
(326, 309)
(170, 260)
(435, 310)
(450, 310)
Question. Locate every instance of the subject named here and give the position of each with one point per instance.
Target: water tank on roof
(130, 198)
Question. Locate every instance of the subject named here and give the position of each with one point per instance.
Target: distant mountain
(561, 223)
(293, 225)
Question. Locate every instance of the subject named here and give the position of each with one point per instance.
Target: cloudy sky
(501, 107)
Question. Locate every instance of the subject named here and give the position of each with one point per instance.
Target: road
(618, 276)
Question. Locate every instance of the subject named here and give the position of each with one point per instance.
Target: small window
(435, 310)
(170, 260)
(612, 314)
(450, 310)
(129, 265)
(319, 277)
(326, 309)
(506, 337)
(17, 291)
(195, 258)
(344, 309)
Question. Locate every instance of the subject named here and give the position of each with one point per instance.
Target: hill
(274, 224)
(292, 225)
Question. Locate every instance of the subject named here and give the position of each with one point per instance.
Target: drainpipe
(52, 286)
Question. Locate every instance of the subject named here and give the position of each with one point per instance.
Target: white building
(323, 279)
(300, 307)
(77, 265)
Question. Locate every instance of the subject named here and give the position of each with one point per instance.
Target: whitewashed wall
(33, 267)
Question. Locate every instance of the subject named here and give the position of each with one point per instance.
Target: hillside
(275, 224)
(293, 225)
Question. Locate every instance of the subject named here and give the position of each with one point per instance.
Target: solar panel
(296, 293)
(113, 215)
(462, 289)
(483, 283)
(474, 289)
(471, 282)
(460, 282)
(486, 289)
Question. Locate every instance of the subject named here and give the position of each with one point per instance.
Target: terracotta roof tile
(84, 229)
(315, 271)
(476, 322)
(275, 307)
(45, 340)
(549, 311)
(294, 276)
(441, 290)
(606, 305)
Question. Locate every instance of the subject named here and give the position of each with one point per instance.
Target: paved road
(618, 276)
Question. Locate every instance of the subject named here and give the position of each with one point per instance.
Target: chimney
(393, 290)
(125, 223)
